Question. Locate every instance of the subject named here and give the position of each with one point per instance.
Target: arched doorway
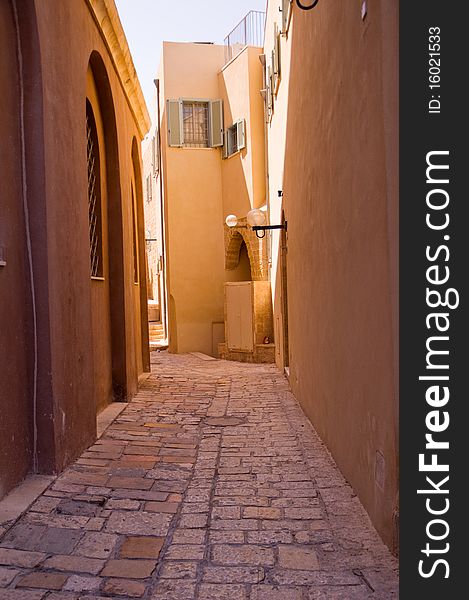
(140, 266)
(242, 270)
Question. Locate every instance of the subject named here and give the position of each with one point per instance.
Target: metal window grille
(195, 124)
(94, 199)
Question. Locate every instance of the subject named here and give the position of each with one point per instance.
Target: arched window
(94, 195)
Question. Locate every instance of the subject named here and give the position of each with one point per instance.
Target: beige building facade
(212, 164)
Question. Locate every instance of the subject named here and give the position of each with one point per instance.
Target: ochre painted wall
(243, 173)
(201, 189)
(57, 41)
(340, 201)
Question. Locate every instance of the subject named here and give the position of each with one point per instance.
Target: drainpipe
(163, 244)
(27, 220)
(266, 152)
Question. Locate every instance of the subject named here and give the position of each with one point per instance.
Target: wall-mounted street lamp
(256, 219)
(306, 6)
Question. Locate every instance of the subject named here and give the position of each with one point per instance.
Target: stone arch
(115, 227)
(256, 247)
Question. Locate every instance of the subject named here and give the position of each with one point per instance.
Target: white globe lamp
(231, 220)
(256, 218)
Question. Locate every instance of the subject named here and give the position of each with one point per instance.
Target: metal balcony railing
(248, 32)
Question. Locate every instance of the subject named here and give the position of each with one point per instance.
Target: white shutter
(216, 123)
(174, 118)
(241, 134)
(285, 14)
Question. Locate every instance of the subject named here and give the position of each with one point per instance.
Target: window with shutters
(155, 154)
(286, 14)
(269, 93)
(276, 66)
(235, 139)
(94, 195)
(195, 123)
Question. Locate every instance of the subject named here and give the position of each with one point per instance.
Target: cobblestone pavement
(210, 485)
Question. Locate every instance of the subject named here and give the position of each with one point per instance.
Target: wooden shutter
(285, 14)
(216, 123)
(270, 98)
(174, 112)
(274, 74)
(276, 56)
(241, 134)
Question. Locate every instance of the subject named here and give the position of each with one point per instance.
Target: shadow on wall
(341, 206)
(236, 196)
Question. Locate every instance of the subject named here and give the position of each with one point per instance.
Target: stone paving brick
(21, 558)
(7, 575)
(178, 570)
(245, 554)
(23, 536)
(233, 574)
(259, 512)
(269, 592)
(141, 547)
(214, 591)
(45, 504)
(188, 536)
(138, 523)
(123, 587)
(79, 564)
(163, 507)
(140, 495)
(193, 521)
(22, 595)
(185, 552)
(131, 569)
(211, 484)
(58, 541)
(298, 557)
(79, 583)
(169, 589)
(356, 592)
(47, 581)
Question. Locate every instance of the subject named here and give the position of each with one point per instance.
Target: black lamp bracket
(264, 228)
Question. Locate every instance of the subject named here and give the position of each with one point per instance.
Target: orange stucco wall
(15, 306)
(57, 41)
(339, 185)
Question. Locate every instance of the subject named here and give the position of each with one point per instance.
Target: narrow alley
(210, 485)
